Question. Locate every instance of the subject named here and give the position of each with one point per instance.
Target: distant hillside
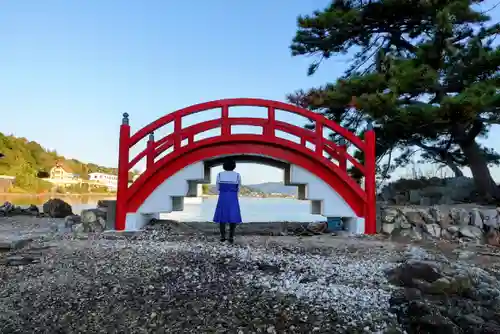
(263, 188)
(209, 189)
(274, 187)
(24, 159)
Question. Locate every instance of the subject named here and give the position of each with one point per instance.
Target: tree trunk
(481, 173)
(454, 168)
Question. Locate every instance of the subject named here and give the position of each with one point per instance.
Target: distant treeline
(26, 159)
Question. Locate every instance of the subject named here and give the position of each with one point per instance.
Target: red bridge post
(342, 151)
(123, 167)
(370, 185)
(150, 157)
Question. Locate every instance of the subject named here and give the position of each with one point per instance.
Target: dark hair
(229, 165)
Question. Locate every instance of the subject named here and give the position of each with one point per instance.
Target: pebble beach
(168, 280)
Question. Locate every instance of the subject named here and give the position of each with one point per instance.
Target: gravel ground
(165, 282)
(178, 278)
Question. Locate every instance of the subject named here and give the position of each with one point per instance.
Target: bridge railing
(184, 136)
(270, 125)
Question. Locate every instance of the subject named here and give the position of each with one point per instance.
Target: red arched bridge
(327, 160)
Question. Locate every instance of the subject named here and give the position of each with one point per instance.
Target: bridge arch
(327, 160)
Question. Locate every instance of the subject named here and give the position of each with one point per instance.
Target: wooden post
(342, 151)
(150, 155)
(123, 166)
(370, 185)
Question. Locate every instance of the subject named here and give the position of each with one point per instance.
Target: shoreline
(112, 195)
(56, 194)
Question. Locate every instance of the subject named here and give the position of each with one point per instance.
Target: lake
(252, 209)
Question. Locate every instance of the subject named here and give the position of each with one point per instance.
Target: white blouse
(228, 177)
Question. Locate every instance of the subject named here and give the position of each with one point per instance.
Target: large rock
(69, 221)
(57, 208)
(415, 218)
(433, 230)
(388, 228)
(472, 232)
(93, 220)
(460, 216)
(490, 217)
(475, 218)
(436, 298)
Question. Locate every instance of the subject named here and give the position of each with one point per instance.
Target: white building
(111, 181)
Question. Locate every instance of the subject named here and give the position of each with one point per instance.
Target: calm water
(78, 203)
(252, 209)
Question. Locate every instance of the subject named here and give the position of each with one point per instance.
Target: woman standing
(228, 206)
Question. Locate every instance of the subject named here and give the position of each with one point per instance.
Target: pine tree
(425, 71)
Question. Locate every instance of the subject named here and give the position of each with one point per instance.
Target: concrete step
(170, 195)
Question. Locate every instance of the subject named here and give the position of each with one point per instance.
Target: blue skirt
(228, 206)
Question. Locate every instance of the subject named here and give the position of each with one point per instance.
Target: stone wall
(467, 222)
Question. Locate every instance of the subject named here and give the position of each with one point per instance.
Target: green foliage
(426, 73)
(27, 159)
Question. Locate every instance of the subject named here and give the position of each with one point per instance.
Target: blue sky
(69, 69)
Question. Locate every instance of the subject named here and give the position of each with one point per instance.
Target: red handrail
(159, 146)
(224, 104)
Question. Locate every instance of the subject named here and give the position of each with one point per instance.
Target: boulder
(388, 214)
(6, 209)
(493, 238)
(490, 217)
(388, 228)
(78, 228)
(433, 230)
(415, 218)
(438, 298)
(472, 232)
(57, 208)
(93, 220)
(440, 215)
(475, 218)
(69, 221)
(460, 216)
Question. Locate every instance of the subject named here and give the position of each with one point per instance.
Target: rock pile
(451, 223)
(9, 209)
(441, 297)
(90, 220)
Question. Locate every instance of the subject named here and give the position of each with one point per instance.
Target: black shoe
(222, 239)
(231, 241)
